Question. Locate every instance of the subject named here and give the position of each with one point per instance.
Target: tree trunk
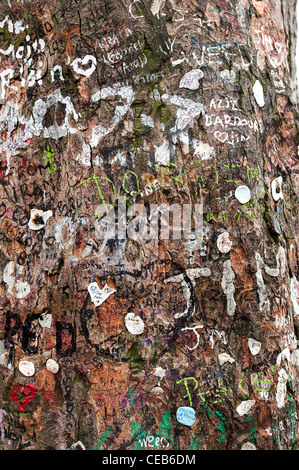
(149, 225)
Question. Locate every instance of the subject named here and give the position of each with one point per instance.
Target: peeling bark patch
(227, 284)
(38, 219)
(224, 243)
(223, 358)
(274, 272)
(295, 295)
(191, 79)
(15, 287)
(245, 407)
(134, 324)
(281, 388)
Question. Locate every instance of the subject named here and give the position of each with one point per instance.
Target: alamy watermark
(149, 222)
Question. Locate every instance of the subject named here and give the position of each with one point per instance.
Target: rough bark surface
(96, 104)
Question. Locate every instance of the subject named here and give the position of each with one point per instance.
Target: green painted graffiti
(164, 433)
(165, 426)
(252, 434)
(102, 438)
(293, 421)
(221, 425)
(49, 156)
(95, 179)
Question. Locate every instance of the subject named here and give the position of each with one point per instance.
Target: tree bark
(114, 337)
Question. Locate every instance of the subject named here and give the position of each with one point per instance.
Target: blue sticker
(186, 415)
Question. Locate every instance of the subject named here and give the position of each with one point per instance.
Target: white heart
(98, 296)
(84, 61)
(222, 136)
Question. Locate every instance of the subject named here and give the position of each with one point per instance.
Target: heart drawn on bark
(28, 390)
(222, 136)
(84, 61)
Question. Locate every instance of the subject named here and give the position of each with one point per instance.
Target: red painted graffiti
(28, 390)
